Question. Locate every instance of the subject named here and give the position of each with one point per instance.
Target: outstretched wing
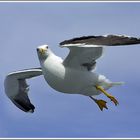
(16, 88)
(106, 40)
(85, 50)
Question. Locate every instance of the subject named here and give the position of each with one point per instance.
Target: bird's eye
(47, 47)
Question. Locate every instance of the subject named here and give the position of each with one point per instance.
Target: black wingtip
(24, 106)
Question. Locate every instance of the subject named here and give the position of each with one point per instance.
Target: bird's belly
(68, 81)
(63, 85)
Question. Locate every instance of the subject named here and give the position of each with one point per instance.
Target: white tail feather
(117, 83)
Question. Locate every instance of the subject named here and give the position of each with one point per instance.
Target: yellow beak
(42, 50)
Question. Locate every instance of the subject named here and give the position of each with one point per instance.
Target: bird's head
(43, 52)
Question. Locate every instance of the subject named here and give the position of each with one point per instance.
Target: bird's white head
(43, 52)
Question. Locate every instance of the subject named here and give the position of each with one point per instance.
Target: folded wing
(16, 88)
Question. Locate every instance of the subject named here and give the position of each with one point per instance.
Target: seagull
(75, 74)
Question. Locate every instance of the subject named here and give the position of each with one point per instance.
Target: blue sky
(24, 26)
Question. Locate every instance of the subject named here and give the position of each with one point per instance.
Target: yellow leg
(100, 103)
(108, 95)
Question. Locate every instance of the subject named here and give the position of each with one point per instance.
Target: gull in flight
(74, 75)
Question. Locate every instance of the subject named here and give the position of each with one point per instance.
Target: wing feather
(16, 88)
(85, 50)
(83, 58)
(106, 40)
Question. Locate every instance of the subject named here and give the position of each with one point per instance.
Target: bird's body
(68, 80)
(74, 75)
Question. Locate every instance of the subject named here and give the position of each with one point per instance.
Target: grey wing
(83, 58)
(85, 50)
(16, 88)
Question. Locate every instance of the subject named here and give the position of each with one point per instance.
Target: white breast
(65, 79)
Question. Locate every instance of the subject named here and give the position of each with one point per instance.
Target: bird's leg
(100, 103)
(108, 95)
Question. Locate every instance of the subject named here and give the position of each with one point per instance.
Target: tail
(116, 83)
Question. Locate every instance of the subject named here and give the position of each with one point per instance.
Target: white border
(72, 138)
(75, 138)
(73, 1)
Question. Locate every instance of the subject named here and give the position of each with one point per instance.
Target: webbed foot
(112, 98)
(101, 103)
